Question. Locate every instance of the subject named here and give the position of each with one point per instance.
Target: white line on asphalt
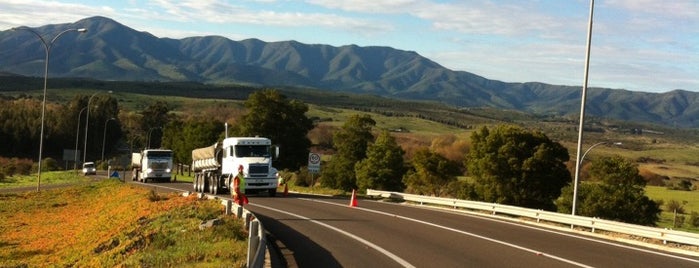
(544, 229)
(365, 242)
(461, 232)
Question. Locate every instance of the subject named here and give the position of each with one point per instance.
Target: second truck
(215, 166)
(151, 164)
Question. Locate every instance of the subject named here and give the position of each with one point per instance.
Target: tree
(430, 173)
(383, 167)
(270, 114)
(184, 136)
(155, 116)
(615, 191)
(350, 143)
(516, 167)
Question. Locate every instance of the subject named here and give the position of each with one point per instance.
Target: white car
(89, 168)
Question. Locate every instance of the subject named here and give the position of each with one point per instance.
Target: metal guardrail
(665, 235)
(257, 241)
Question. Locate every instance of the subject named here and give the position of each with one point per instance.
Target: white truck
(151, 164)
(215, 166)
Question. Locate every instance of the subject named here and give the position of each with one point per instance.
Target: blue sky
(639, 45)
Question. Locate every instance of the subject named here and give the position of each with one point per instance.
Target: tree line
(505, 164)
(64, 125)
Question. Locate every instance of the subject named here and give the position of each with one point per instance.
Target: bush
(694, 219)
(678, 221)
(675, 206)
(11, 166)
(2, 177)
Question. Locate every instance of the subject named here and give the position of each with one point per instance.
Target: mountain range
(112, 51)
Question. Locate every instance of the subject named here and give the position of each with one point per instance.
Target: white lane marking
(461, 232)
(559, 233)
(365, 242)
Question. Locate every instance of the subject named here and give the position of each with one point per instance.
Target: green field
(52, 177)
(690, 200)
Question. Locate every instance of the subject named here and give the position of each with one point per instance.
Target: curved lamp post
(149, 132)
(87, 122)
(577, 171)
(104, 137)
(47, 47)
(77, 136)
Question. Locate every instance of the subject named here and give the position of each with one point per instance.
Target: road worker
(238, 191)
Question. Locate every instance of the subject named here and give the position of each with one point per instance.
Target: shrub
(675, 206)
(679, 221)
(12, 166)
(694, 219)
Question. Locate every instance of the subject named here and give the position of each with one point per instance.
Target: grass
(690, 199)
(51, 177)
(312, 190)
(108, 223)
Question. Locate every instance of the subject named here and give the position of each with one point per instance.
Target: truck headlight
(149, 170)
(167, 170)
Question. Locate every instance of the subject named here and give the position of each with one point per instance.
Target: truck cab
(255, 155)
(152, 164)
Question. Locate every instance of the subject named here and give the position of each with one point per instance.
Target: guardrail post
(228, 204)
(248, 218)
(253, 241)
(239, 212)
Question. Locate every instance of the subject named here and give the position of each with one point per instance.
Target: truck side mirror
(276, 151)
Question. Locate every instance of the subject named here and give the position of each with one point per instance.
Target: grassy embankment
(108, 223)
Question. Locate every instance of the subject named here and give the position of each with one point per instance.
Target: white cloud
(38, 13)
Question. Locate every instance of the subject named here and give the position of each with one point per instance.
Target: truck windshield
(252, 151)
(158, 154)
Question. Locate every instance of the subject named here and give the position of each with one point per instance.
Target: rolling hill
(112, 51)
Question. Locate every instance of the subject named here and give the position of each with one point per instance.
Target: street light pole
(104, 138)
(149, 132)
(87, 123)
(77, 137)
(575, 193)
(582, 107)
(47, 48)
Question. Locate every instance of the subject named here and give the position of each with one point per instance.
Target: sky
(638, 45)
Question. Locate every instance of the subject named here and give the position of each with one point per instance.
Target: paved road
(326, 232)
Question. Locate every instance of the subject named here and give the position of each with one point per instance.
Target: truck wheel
(214, 186)
(204, 183)
(273, 192)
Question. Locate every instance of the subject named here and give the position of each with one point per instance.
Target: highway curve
(413, 236)
(326, 232)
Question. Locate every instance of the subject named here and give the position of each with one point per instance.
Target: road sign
(313, 163)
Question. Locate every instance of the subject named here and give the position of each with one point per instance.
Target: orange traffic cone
(353, 201)
(286, 190)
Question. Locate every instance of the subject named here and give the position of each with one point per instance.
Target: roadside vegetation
(482, 154)
(108, 224)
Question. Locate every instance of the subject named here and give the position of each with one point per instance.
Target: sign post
(313, 165)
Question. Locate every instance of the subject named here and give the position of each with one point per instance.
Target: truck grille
(258, 170)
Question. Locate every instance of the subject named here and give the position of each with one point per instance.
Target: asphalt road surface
(325, 232)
